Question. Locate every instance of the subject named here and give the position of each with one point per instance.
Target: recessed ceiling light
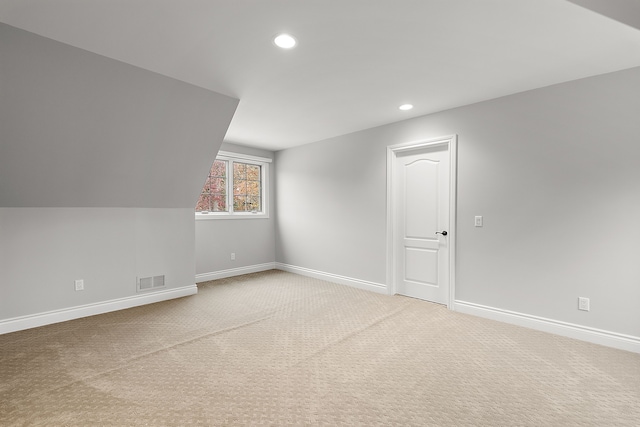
(405, 107)
(285, 41)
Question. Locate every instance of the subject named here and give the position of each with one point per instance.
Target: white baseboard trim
(329, 277)
(583, 333)
(205, 277)
(57, 316)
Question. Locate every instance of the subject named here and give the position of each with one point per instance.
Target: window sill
(214, 215)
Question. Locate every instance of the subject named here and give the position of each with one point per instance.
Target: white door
(421, 223)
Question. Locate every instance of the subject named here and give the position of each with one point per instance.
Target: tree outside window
(214, 193)
(246, 187)
(235, 185)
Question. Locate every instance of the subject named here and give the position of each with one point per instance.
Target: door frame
(451, 143)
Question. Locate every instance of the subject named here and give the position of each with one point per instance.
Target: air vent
(158, 281)
(145, 283)
(150, 283)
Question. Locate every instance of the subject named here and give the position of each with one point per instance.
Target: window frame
(230, 158)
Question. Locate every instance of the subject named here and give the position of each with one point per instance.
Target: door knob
(444, 233)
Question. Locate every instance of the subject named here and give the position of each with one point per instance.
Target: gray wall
(79, 129)
(101, 164)
(42, 252)
(553, 171)
(252, 240)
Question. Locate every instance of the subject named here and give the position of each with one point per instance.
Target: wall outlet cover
(583, 304)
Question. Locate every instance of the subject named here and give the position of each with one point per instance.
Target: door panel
(421, 266)
(420, 218)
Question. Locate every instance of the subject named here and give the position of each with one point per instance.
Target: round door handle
(444, 233)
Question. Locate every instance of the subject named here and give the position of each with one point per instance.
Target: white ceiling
(356, 62)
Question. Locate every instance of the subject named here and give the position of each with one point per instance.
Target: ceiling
(356, 61)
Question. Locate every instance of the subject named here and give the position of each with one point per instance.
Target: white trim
(451, 142)
(583, 333)
(63, 315)
(226, 215)
(244, 157)
(334, 278)
(221, 274)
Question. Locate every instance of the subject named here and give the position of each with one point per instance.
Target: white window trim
(244, 158)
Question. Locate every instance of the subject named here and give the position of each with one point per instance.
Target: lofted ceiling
(356, 61)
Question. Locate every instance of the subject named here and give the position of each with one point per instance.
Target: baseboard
(593, 335)
(329, 277)
(57, 316)
(221, 274)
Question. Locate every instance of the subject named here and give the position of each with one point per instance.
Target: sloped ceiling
(626, 11)
(357, 60)
(81, 130)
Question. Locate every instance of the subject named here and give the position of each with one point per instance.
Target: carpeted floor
(276, 348)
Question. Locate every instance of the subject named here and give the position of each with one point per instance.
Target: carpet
(275, 348)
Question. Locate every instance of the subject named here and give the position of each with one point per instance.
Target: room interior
(111, 115)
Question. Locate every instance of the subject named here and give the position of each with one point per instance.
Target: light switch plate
(478, 221)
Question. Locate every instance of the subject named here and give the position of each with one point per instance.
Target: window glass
(246, 187)
(234, 186)
(214, 192)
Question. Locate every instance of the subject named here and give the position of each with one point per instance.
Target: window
(236, 187)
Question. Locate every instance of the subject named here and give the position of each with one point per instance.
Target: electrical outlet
(79, 285)
(583, 303)
(233, 256)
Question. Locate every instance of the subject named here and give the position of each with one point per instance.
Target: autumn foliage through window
(246, 187)
(214, 193)
(241, 193)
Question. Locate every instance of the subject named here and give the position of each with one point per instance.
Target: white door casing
(421, 184)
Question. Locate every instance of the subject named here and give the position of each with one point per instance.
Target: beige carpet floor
(276, 348)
